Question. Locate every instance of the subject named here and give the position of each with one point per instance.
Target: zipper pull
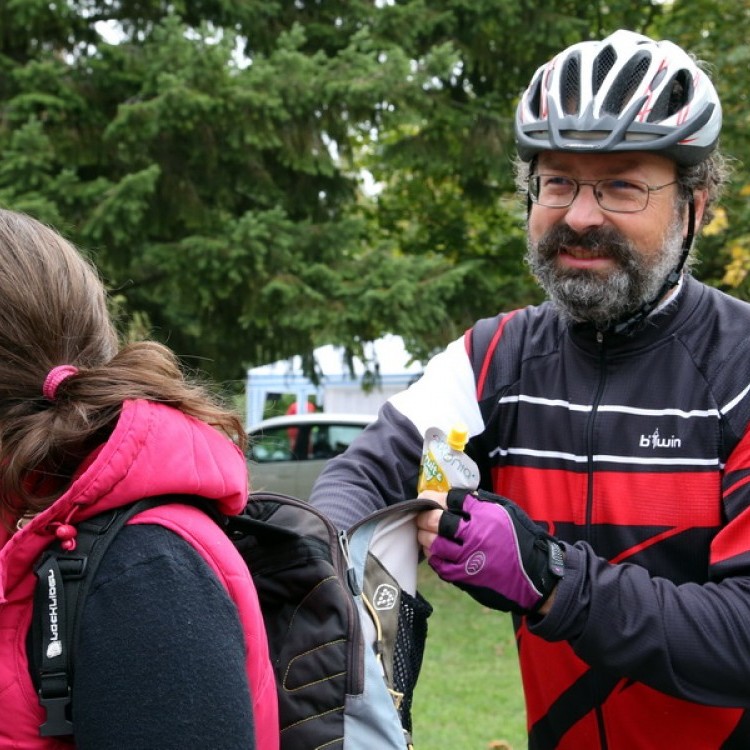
(351, 577)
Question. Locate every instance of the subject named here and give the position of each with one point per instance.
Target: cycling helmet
(624, 93)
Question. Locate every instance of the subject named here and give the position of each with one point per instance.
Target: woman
(172, 651)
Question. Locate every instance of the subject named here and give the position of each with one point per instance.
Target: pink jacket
(154, 450)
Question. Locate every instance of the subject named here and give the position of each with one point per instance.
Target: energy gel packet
(444, 464)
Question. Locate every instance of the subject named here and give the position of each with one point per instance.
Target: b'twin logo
(654, 441)
(54, 648)
(475, 563)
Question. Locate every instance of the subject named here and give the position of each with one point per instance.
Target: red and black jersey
(634, 452)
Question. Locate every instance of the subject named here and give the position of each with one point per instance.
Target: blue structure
(339, 390)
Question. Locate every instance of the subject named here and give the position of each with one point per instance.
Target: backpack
(346, 627)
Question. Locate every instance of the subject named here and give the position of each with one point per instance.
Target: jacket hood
(156, 450)
(153, 450)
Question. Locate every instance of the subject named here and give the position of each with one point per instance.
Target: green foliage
(715, 32)
(469, 693)
(210, 157)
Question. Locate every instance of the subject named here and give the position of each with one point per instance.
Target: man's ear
(699, 201)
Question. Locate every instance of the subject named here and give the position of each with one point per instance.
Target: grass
(468, 696)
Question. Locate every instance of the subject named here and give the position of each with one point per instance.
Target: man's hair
(711, 175)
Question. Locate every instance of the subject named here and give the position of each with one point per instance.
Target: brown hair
(53, 311)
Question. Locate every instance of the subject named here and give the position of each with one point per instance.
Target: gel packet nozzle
(444, 463)
(458, 437)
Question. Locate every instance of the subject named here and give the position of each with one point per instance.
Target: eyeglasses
(616, 195)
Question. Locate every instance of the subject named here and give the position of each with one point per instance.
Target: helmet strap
(629, 325)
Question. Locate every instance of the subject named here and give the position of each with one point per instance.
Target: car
(287, 453)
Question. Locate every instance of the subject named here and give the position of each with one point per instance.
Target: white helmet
(624, 93)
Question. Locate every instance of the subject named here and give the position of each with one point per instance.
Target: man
(615, 416)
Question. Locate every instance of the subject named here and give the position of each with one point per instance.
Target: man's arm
(382, 465)
(689, 640)
(379, 468)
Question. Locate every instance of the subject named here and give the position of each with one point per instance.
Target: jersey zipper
(590, 433)
(590, 446)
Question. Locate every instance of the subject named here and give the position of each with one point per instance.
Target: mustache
(604, 240)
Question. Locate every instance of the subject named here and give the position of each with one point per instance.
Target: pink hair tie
(54, 377)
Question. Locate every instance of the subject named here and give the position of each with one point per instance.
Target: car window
(341, 435)
(302, 442)
(289, 457)
(274, 444)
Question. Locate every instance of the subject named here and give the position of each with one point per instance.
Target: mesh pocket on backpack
(410, 643)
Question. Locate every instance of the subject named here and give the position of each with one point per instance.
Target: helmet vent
(601, 67)
(534, 97)
(626, 83)
(570, 85)
(675, 95)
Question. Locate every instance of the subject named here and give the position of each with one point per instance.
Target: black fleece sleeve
(161, 661)
(688, 640)
(379, 468)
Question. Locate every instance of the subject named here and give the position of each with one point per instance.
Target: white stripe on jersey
(603, 458)
(610, 408)
(736, 400)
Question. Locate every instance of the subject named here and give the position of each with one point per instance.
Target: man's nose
(584, 211)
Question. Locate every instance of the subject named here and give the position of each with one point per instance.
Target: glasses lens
(552, 191)
(624, 196)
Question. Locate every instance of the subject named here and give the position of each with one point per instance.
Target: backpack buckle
(57, 723)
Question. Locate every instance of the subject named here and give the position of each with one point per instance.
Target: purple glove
(491, 549)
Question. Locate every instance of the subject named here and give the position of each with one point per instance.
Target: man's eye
(623, 186)
(557, 183)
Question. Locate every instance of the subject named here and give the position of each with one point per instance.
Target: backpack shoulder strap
(64, 578)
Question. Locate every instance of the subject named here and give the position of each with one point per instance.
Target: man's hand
(487, 546)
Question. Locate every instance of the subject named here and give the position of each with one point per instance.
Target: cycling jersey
(633, 451)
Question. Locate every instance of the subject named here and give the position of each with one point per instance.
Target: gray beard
(602, 298)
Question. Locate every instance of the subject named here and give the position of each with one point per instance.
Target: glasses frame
(594, 183)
